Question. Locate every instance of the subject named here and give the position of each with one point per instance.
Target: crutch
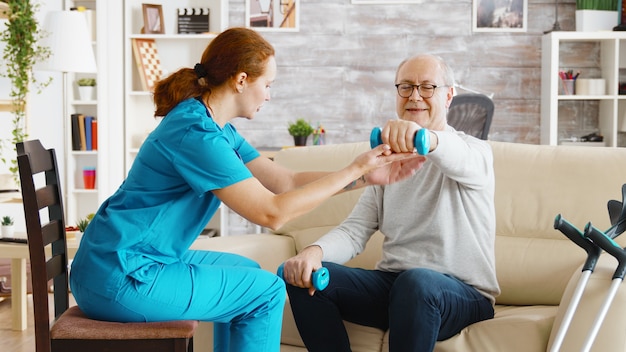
(610, 246)
(593, 253)
(617, 215)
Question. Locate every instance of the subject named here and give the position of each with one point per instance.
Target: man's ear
(449, 97)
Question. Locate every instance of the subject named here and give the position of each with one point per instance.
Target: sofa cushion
(533, 260)
(513, 329)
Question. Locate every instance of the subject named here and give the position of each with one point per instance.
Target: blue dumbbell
(421, 141)
(320, 278)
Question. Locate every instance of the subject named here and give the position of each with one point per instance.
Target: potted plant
(81, 226)
(86, 88)
(20, 54)
(596, 15)
(7, 226)
(300, 130)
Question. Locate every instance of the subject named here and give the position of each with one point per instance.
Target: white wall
(45, 109)
(45, 112)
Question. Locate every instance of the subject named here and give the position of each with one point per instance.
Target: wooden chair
(71, 330)
(472, 114)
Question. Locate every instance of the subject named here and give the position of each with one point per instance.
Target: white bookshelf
(601, 55)
(175, 51)
(80, 201)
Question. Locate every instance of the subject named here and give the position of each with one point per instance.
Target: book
(94, 134)
(193, 20)
(88, 139)
(75, 132)
(81, 130)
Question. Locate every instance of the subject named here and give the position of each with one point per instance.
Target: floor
(17, 341)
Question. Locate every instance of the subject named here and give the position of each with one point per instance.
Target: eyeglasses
(405, 90)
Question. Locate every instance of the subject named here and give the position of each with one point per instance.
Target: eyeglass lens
(405, 90)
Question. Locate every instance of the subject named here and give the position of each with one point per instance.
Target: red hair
(232, 51)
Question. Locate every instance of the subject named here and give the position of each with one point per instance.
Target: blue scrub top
(165, 202)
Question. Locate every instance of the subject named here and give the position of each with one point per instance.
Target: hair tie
(200, 71)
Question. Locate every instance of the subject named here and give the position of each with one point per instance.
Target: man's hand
(297, 270)
(399, 134)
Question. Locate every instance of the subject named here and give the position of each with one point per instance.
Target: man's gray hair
(448, 75)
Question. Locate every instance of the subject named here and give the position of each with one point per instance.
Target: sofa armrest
(611, 335)
(266, 249)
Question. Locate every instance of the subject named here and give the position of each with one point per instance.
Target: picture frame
(385, 2)
(273, 15)
(499, 15)
(152, 19)
(148, 63)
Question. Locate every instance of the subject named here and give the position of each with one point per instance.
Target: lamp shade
(69, 42)
(265, 5)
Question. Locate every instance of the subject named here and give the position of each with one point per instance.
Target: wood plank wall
(339, 68)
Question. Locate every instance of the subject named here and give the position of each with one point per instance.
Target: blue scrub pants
(418, 306)
(245, 302)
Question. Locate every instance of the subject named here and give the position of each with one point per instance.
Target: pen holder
(567, 87)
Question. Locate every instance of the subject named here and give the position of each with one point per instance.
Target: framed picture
(273, 15)
(385, 2)
(153, 19)
(148, 62)
(500, 15)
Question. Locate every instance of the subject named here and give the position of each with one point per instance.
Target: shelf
(595, 55)
(84, 102)
(174, 36)
(588, 97)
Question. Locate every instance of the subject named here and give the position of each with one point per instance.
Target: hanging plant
(20, 54)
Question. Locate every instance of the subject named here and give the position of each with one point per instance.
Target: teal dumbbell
(320, 278)
(421, 141)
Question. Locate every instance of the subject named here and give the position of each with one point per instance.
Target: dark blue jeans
(418, 306)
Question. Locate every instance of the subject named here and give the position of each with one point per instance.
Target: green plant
(83, 223)
(300, 128)
(20, 54)
(7, 220)
(86, 82)
(604, 5)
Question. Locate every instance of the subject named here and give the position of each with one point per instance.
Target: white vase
(86, 92)
(7, 231)
(596, 20)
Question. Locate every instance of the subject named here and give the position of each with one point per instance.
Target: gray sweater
(442, 218)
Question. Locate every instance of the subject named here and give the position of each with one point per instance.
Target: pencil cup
(89, 177)
(567, 87)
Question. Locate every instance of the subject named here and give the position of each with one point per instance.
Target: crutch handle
(576, 236)
(610, 246)
(421, 140)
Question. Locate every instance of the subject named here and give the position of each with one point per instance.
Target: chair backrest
(41, 190)
(472, 114)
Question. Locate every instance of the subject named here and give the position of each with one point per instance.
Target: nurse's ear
(240, 81)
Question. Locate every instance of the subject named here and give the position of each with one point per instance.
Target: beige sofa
(537, 266)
